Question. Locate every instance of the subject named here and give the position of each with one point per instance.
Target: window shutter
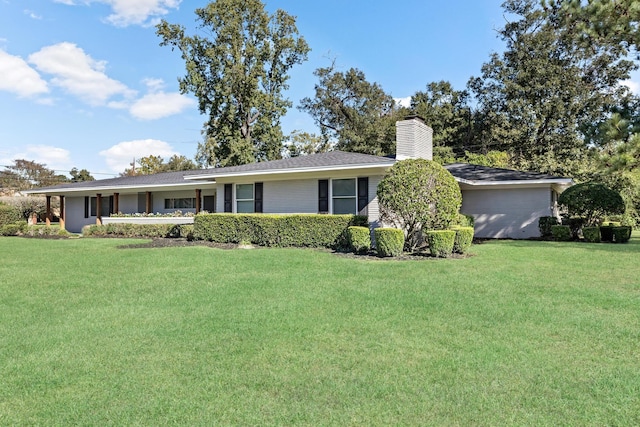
(363, 195)
(323, 196)
(257, 197)
(228, 197)
(86, 207)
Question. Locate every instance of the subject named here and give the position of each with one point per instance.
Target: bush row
(608, 233)
(21, 228)
(390, 241)
(328, 231)
(139, 230)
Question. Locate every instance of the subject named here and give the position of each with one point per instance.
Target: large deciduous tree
(352, 113)
(238, 69)
(26, 174)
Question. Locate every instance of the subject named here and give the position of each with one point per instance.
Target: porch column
(48, 218)
(99, 209)
(198, 201)
(148, 203)
(62, 213)
(116, 202)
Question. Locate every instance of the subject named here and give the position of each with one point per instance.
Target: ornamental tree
(417, 195)
(591, 201)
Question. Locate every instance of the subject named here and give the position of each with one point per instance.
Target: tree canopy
(591, 201)
(155, 164)
(352, 113)
(238, 71)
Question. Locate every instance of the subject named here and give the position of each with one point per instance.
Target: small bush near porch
(523, 333)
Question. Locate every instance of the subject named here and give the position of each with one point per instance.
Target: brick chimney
(414, 139)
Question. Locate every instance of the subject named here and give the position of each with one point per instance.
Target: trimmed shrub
(611, 223)
(606, 233)
(591, 201)
(621, 234)
(441, 242)
(575, 224)
(418, 195)
(186, 231)
(591, 234)
(9, 215)
(561, 233)
(544, 225)
(329, 231)
(463, 239)
(465, 220)
(389, 241)
(13, 229)
(359, 239)
(133, 230)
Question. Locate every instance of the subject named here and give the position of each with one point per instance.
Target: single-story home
(504, 203)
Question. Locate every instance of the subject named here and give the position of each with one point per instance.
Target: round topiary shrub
(463, 239)
(418, 195)
(591, 234)
(621, 234)
(389, 241)
(591, 201)
(561, 233)
(359, 239)
(441, 242)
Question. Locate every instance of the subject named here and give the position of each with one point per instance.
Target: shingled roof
(484, 174)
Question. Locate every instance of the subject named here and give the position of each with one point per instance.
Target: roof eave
(290, 171)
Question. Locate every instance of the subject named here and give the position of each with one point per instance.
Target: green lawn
(521, 333)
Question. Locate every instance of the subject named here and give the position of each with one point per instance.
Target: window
(343, 194)
(183, 203)
(244, 198)
(105, 206)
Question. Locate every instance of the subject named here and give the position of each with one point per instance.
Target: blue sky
(84, 83)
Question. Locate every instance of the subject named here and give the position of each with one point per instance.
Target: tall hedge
(417, 195)
(9, 214)
(277, 230)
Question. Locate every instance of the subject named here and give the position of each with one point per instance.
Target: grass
(522, 333)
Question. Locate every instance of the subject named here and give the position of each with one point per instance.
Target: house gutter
(288, 171)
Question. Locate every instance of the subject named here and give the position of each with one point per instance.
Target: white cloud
(633, 85)
(19, 78)
(403, 102)
(32, 14)
(120, 156)
(132, 12)
(158, 105)
(56, 158)
(78, 73)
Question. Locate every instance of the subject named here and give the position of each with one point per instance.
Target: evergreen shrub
(606, 233)
(359, 239)
(389, 241)
(591, 234)
(463, 239)
(135, 230)
(441, 242)
(9, 215)
(621, 234)
(561, 233)
(544, 225)
(300, 230)
(13, 229)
